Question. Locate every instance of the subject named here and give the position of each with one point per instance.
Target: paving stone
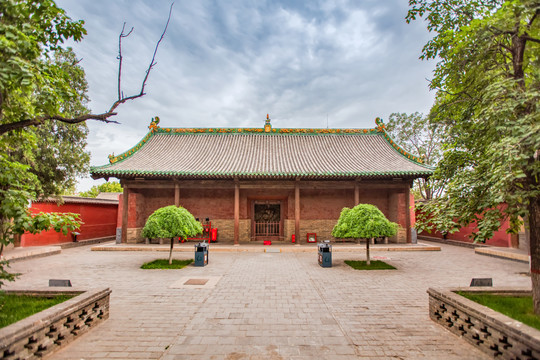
(269, 305)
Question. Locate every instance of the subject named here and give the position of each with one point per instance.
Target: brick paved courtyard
(269, 305)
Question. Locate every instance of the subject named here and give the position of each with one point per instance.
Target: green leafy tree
(33, 89)
(418, 136)
(364, 221)
(170, 222)
(38, 76)
(55, 151)
(488, 83)
(16, 190)
(42, 111)
(113, 186)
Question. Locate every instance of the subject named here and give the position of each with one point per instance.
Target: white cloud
(227, 64)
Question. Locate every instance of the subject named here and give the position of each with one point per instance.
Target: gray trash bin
(201, 254)
(325, 254)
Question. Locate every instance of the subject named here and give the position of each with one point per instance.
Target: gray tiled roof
(211, 155)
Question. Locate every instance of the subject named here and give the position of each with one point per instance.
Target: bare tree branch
(122, 35)
(4, 128)
(122, 99)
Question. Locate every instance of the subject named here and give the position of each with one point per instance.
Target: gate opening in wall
(267, 221)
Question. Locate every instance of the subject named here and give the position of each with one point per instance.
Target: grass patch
(17, 307)
(164, 264)
(375, 265)
(519, 308)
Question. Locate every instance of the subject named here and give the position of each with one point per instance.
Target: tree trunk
(534, 251)
(368, 261)
(170, 251)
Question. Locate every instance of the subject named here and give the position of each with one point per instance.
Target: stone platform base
(189, 247)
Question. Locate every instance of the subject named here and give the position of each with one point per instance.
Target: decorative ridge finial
(267, 125)
(154, 124)
(381, 127)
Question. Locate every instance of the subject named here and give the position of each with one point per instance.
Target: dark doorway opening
(267, 220)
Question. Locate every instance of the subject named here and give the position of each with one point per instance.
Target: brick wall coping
(68, 199)
(88, 306)
(483, 321)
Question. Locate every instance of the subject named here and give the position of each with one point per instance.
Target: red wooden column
(408, 213)
(125, 207)
(236, 212)
(297, 211)
(176, 194)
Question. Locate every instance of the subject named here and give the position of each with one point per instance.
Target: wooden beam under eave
(275, 186)
(356, 193)
(366, 184)
(236, 213)
(265, 184)
(185, 184)
(125, 207)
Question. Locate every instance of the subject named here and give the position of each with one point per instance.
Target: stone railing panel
(50, 329)
(492, 332)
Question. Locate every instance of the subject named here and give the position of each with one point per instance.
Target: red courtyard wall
(99, 221)
(500, 237)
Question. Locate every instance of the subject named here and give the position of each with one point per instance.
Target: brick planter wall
(492, 332)
(47, 331)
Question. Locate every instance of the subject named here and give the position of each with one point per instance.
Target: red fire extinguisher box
(311, 237)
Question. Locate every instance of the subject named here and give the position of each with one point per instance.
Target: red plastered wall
(324, 204)
(99, 221)
(500, 237)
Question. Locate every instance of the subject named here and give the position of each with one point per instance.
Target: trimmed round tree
(170, 222)
(364, 221)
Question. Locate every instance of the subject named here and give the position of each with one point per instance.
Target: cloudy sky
(228, 63)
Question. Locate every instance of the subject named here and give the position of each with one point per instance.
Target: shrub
(364, 221)
(170, 222)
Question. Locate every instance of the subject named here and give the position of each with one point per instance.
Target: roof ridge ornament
(381, 127)
(154, 124)
(267, 125)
